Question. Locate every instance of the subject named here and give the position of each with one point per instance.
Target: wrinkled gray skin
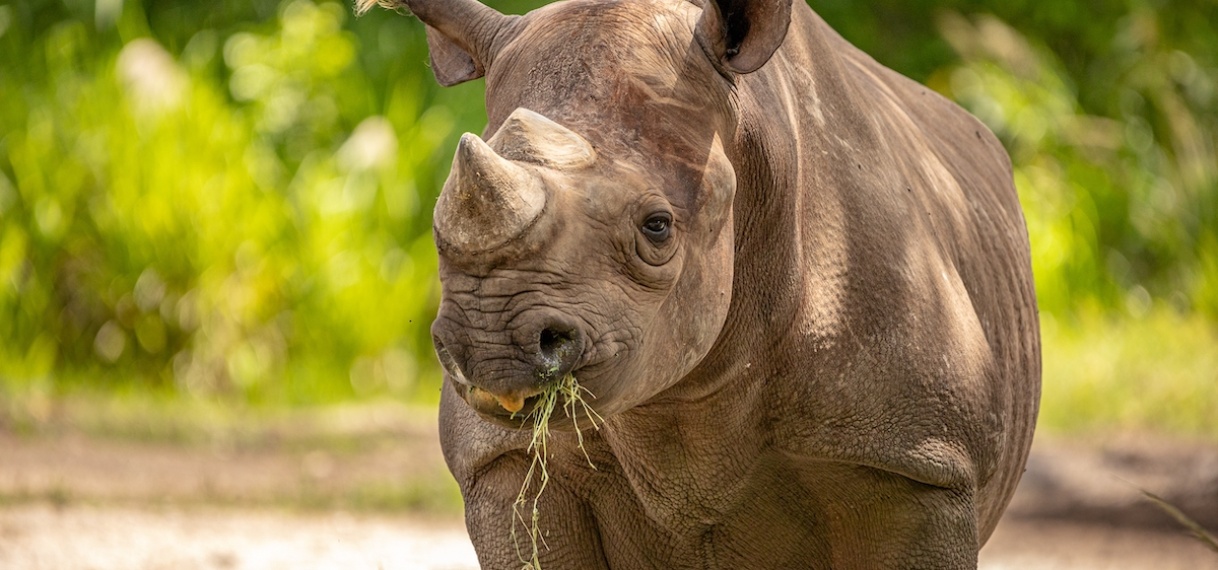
(829, 359)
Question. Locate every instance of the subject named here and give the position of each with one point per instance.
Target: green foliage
(248, 217)
(1122, 201)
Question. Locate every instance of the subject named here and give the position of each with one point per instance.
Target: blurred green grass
(1157, 372)
(436, 495)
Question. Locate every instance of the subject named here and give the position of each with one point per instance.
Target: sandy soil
(71, 501)
(42, 536)
(1064, 545)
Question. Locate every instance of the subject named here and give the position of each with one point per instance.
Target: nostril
(552, 342)
(558, 349)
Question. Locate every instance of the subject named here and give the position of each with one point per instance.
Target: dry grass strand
(1193, 526)
(572, 396)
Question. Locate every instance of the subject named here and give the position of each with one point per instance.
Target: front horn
(487, 200)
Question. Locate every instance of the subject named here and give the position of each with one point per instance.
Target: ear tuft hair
(362, 6)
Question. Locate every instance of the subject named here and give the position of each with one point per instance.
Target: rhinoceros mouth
(490, 404)
(492, 408)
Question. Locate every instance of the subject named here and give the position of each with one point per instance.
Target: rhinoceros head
(592, 232)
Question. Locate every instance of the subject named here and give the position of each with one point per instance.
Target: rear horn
(527, 136)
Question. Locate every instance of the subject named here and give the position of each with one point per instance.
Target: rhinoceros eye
(657, 227)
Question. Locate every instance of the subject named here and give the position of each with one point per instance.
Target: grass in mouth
(571, 394)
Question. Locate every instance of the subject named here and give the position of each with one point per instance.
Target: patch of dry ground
(86, 537)
(373, 494)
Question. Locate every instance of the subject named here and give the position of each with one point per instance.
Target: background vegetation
(229, 202)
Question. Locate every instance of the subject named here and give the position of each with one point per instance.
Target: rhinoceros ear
(463, 36)
(450, 63)
(743, 34)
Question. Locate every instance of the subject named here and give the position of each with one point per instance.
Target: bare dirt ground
(373, 495)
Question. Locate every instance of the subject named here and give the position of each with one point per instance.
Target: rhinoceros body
(796, 283)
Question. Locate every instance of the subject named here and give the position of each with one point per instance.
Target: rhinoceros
(795, 284)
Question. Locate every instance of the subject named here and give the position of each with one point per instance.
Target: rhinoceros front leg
(877, 519)
(568, 531)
